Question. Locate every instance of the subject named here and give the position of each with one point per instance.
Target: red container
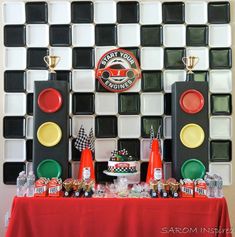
(191, 101)
(49, 100)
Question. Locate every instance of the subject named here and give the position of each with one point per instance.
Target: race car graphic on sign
(118, 70)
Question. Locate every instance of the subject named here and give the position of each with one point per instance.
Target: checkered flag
(81, 140)
(151, 135)
(91, 140)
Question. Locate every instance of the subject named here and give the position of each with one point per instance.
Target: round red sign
(118, 70)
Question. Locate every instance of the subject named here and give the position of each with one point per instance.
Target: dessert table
(118, 217)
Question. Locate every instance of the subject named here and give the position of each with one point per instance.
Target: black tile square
(35, 58)
(29, 150)
(167, 104)
(11, 171)
(129, 103)
(99, 87)
(105, 34)
(197, 35)
(30, 104)
(200, 76)
(13, 127)
(151, 35)
(143, 171)
(147, 122)
(173, 12)
(151, 81)
(219, 12)
(83, 103)
(14, 35)
(128, 12)
(60, 35)
(135, 51)
(14, 81)
(82, 12)
(105, 126)
(83, 58)
(76, 154)
(221, 104)
(69, 170)
(220, 58)
(100, 177)
(167, 150)
(173, 58)
(64, 75)
(221, 151)
(36, 12)
(131, 145)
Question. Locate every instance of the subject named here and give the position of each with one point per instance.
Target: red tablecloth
(62, 217)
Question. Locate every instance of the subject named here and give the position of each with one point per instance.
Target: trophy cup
(77, 187)
(190, 62)
(51, 62)
(68, 186)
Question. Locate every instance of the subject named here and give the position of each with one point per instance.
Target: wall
(7, 191)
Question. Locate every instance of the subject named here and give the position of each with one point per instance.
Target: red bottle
(86, 165)
(155, 170)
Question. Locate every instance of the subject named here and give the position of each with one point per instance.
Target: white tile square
(105, 12)
(172, 76)
(14, 12)
(37, 35)
(223, 169)
(35, 75)
(12, 56)
(29, 127)
(103, 148)
(100, 51)
(167, 127)
(174, 35)
(145, 149)
(14, 150)
(152, 103)
(70, 150)
(128, 35)
(83, 35)
(106, 103)
(129, 126)
(167, 170)
(220, 127)
(15, 104)
(83, 80)
(203, 54)
(220, 81)
(196, 12)
(65, 54)
(75, 169)
(220, 36)
(151, 58)
(87, 121)
(59, 12)
(150, 12)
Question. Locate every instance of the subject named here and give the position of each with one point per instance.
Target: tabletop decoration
(68, 187)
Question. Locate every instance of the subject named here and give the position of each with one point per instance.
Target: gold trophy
(190, 62)
(51, 62)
